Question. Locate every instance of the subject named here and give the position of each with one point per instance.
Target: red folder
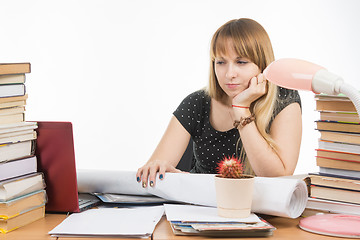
(56, 159)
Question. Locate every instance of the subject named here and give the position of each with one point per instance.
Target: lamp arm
(329, 83)
(302, 75)
(353, 94)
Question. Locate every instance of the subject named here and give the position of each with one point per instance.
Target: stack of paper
(204, 221)
(110, 222)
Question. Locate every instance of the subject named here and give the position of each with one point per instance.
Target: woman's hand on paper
(146, 175)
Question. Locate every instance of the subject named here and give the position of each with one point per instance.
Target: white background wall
(118, 69)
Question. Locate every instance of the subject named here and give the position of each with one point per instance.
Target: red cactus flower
(230, 167)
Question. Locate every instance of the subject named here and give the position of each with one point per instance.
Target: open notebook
(56, 159)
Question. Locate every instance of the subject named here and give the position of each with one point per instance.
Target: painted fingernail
(151, 183)
(161, 176)
(138, 179)
(144, 184)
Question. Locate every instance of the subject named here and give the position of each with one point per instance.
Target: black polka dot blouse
(210, 145)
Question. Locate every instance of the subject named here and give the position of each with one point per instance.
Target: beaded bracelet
(244, 121)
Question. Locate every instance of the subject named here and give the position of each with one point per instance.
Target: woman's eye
(242, 62)
(220, 62)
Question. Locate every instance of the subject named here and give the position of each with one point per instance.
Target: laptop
(56, 160)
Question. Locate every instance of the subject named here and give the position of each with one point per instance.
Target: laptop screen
(56, 159)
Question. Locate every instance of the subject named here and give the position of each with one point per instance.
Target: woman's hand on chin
(257, 88)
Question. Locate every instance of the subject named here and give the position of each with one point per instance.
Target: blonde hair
(251, 41)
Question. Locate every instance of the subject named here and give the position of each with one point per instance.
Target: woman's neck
(226, 101)
(221, 116)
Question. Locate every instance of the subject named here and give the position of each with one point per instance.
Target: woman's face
(233, 72)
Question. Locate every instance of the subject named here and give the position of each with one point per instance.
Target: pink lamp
(302, 75)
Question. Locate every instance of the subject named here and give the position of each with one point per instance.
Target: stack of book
(336, 187)
(22, 194)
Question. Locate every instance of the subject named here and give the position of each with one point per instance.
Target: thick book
(336, 194)
(12, 78)
(337, 155)
(335, 181)
(20, 136)
(351, 138)
(339, 146)
(12, 90)
(338, 126)
(14, 68)
(327, 97)
(12, 118)
(16, 127)
(338, 164)
(21, 220)
(345, 105)
(15, 187)
(12, 101)
(15, 133)
(349, 117)
(12, 110)
(16, 150)
(18, 167)
(334, 103)
(22, 204)
(339, 172)
(316, 205)
(20, 103)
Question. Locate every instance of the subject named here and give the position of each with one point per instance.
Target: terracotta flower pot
(234, 196)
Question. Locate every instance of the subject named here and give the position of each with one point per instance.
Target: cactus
(230, 167)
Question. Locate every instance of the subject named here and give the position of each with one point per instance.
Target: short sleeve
(189, 111)
(285, 98)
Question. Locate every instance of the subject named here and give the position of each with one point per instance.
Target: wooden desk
(37, 230)
(286, 229)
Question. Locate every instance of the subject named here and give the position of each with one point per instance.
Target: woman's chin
(232, 94)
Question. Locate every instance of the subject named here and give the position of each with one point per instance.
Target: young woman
(239, 114)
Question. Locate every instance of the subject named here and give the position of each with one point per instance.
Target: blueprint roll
(279, 196)
(283, 197)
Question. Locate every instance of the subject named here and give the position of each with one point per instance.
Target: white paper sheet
(194, 213)
(273, 196)
(126, 222)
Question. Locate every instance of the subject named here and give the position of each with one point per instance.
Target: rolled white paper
(273, 196)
